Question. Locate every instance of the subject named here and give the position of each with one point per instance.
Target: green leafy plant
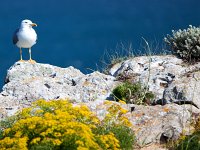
(117, 123)
(188, 142)
(132, 93)
(57, 124)
(123, 133)
(185, 43)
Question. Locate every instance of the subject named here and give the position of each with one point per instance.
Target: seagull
(25, 37)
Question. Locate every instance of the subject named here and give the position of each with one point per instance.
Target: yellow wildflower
(18, 134)
(110, 142)
(57, 142)
(59, 122)
(35, 140)
(122, 102)
(123, 111)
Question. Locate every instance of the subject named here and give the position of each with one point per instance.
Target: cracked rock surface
(168, 77)
(27, 82)
(175, 85)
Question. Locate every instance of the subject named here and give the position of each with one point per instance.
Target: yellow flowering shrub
(57, 124)
(115, 122)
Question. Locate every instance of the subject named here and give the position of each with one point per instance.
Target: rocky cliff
(175, 84)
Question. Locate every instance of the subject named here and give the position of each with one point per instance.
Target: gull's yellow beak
(34, 24)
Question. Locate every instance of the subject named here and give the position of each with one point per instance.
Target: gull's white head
(27, 23)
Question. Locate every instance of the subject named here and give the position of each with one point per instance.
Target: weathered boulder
(152, 124)
(158, 124)
(26, 82)
(29, 82)
(8, 106)
(169, 78)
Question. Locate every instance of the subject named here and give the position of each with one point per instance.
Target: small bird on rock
(25, 37)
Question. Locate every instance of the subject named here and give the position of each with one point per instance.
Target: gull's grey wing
(15, 38)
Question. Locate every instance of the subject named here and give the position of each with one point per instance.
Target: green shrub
(116, 123)
(123, 133)
(57, 124)
(185, 43)
(132, 93)
(189, 142)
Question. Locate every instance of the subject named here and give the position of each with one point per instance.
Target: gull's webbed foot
(21, 60)
(31, 61)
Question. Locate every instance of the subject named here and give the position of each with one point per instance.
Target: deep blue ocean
(78, 32)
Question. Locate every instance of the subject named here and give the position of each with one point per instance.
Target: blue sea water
(77, 32)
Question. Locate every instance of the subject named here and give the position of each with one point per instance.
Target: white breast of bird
(27, 38)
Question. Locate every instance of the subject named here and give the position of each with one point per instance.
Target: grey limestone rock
(26, 82)
(158, 124)
(168, 77)
(152, 124)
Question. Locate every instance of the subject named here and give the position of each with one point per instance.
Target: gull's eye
(26, 22)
